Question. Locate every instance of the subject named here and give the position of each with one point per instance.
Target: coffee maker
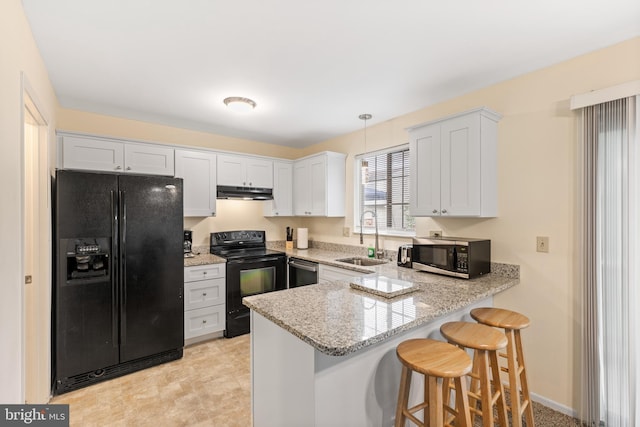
(188, 243)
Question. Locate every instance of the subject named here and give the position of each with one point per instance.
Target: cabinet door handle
(204, 321)
(434, 211)
(444, 211)
(204, 273)
(250, 184)
(204, 294)
(118, 167)
(128, 168)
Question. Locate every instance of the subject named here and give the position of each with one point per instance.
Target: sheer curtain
(610, 194)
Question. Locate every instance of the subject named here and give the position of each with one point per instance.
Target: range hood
(244, 193)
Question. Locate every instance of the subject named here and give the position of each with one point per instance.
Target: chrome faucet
(378, 253)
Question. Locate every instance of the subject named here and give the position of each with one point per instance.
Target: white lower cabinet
(203, 321)
(204, 301)
(330, 273)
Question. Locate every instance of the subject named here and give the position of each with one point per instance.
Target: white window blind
(609, 253)
(383, 195)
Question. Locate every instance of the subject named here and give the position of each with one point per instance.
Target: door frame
(36, 388)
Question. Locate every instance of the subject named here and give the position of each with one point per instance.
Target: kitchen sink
(362, 261)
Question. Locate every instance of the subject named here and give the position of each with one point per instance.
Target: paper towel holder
(303, 238)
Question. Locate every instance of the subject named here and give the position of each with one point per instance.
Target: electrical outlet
(346, 232)
(435, 233)
(542, 244)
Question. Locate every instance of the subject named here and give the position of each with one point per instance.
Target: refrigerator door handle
(114, 270)
(123, 266)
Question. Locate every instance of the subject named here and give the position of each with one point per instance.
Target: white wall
(18, 54)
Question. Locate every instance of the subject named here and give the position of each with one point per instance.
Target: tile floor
(210, 386)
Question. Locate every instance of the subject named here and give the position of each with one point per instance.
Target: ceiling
(311, 66)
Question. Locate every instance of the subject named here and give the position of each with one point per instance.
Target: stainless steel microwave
(452, 256)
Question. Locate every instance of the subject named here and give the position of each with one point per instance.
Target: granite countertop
(328, 257)
(338, 320)
(203, 258)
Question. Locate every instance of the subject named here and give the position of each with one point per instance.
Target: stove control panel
(238, 238)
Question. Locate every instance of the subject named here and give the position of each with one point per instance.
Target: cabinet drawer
(204, 321)
(204, 293)
(204, 272)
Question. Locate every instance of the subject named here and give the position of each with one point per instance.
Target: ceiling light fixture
(239, 104)
(364, 165)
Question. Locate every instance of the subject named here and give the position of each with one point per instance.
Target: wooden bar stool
(439, 362)
(512, 322)
(486, 342)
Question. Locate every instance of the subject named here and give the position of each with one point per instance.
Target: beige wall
(536, 191)
(81, 121)
(19, 57)
(536, 152)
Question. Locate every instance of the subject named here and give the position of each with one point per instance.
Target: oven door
(246, 277)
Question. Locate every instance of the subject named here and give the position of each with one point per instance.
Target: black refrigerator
(118, 275)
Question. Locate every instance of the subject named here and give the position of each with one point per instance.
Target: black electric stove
(251, 269)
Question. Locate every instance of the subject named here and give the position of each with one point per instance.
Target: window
(382, 193)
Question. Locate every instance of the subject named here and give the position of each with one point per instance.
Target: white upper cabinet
(103, 154)
(244, 171)
(198, 171)
(454, 165)
(282, 203)
(149, 159)
(319, 184)
(92, 154)
(424, 180)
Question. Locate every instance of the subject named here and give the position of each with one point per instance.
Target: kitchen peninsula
(324, 355)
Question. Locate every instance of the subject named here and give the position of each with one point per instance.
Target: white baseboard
(554, 405)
